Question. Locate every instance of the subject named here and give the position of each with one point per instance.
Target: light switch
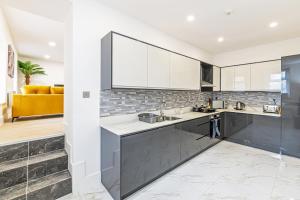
(86, 94)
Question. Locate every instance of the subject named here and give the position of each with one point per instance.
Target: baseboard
(82, 183)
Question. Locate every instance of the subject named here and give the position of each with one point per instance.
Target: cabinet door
(129, 62)
(192, 133)
(227, 79)
(158, 67)
(185, 73)
(264, 132)
(236, 127)
(217, 78)
(266, 76)
(242, 78)
(140, 160)
(147, 155)
(169, 146)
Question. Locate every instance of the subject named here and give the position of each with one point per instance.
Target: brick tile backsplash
(252, 99)
(129, 101)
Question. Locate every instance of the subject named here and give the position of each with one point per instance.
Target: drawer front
(198, 126)
(191, 135)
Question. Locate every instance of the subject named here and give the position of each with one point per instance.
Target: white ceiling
(53, 9)
(33, 23)
(246, 27)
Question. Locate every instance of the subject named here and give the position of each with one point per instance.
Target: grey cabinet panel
(106, 62)
(169, 146)
(264, 132)
(140, 160)
(235, 125)
(191, 134)
(147, 155)
(291, 105)
(110, 163)
(253, 130)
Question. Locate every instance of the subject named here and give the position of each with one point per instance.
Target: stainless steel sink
(170, 118)
(153, 118)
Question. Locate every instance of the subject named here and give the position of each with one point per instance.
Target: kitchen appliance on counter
(240, 105)
(218, 104)
(272, 109)
(203, 109)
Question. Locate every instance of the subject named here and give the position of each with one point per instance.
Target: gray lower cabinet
(192, 134)
(257, 131)
(130, 162)
(147, 155)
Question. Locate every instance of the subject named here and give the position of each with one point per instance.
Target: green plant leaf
(28, 68)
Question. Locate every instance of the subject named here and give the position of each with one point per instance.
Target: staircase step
(48, 187)
(46, 145)
(15, 171)
(17, 192)
(31, 148)
(13, 151)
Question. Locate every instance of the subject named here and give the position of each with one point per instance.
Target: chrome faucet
(162, 106)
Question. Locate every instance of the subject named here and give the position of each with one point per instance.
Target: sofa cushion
(57, 90)
(35, 89)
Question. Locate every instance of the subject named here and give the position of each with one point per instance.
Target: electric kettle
(240, 105)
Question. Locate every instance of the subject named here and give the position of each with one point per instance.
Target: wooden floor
(30, 129)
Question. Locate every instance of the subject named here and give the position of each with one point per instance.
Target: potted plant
(28, 69)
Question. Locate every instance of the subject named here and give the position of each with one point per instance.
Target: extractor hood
(206, 75)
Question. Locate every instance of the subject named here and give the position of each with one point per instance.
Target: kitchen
(161, 109)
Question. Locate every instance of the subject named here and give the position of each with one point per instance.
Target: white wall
(6, 83)
(54, 71)
(259, 53)
(90, 22)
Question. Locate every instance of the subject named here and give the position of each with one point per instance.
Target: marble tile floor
(226, 171)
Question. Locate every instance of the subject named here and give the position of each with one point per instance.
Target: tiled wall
(252, 99)
(126, 101)
(129, 101)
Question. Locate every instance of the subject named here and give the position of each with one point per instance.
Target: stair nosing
(58, 151)
(23, 162)
(29, 189)
(15, 186)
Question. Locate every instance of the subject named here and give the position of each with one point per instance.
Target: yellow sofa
(37, 101)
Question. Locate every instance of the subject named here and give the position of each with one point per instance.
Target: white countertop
(127, 124)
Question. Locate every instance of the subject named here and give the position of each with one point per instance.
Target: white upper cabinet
(227, 79)
(266, 76)
(185, 73)
(159, 62)
(129, 62)
(216, 78)
(242, 78)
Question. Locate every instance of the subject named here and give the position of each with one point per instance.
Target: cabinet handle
(203, 136)
(202, 123)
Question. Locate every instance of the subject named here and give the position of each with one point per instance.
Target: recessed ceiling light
(190, 18)
(220, 39)
(52, 44)
(273, 24)
(228, 12)
(47, 57)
